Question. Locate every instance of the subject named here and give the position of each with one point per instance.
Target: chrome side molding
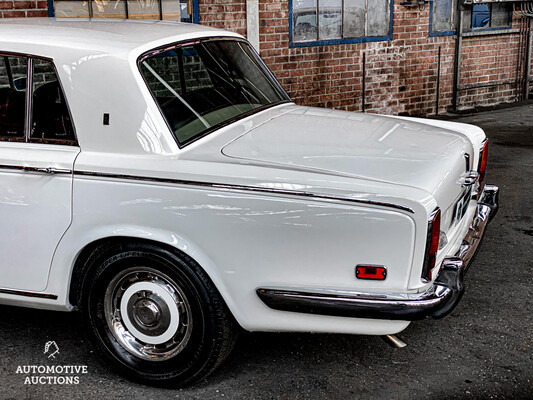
(258, 189)
(24, 293)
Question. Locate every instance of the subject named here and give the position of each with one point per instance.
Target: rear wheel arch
(102, 262)
(94, 249)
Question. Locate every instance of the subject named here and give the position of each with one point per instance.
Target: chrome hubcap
(148, 313)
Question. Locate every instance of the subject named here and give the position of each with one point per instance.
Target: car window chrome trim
(28, 121)
(161, 49)
(25, 293)
(257, 189)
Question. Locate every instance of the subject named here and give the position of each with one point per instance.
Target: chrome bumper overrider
(437, 302)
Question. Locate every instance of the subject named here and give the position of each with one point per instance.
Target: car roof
(111, 36)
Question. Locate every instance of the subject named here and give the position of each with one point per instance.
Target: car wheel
(155, 314)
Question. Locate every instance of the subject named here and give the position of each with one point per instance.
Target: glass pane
(467, 19)
(378, 17)
(71, 9)
(206, 84)
(12, 96)
(143, 9)
(109, 8)
(177, 10)
(500, 15)
(196, 75)
(50, 119)
(304, 20)
(354, 18)
(186, 10)
(442, 15)
(480, 15)
(172, 9)
(330, 19)
(163, 73)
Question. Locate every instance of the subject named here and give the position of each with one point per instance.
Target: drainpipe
(457, 60)
(528, 63)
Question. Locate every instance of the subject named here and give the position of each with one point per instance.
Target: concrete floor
(483, 350)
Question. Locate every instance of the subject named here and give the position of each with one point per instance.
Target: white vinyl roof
(109, 36)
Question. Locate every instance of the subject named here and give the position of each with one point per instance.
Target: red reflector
(374, 272)
(484, 153)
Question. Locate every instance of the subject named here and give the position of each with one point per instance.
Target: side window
(12, 97)
(50, 118)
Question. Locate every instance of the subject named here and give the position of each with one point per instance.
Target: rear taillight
(482, 166)
(432, 245)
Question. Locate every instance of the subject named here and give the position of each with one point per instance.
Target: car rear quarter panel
(245, 241)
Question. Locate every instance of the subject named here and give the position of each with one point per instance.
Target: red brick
(38, 13)
(24, 4)
(6, 5)
(13, 14)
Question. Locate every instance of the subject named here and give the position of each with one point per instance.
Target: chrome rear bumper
(437, 302)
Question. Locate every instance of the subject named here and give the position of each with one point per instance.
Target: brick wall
(400, 75)
(23, 8)
(224, 14)
(488, 60)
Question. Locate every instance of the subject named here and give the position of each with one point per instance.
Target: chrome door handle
(48, 170)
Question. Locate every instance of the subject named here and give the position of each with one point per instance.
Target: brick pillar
(23, 8)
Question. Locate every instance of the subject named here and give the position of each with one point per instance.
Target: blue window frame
(179, 10)
(476, 18)
(327, 22)
(442, 15)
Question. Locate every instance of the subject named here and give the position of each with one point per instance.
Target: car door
(37, 152)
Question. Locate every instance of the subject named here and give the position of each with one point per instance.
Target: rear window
(203, 85)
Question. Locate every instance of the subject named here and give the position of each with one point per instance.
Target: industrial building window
(492, 15)
(339, 21)
(443, 13)
(476, 17)
(177, 10)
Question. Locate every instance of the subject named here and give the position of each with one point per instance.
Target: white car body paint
(373, 181)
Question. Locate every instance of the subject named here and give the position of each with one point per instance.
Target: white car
(155, 176)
